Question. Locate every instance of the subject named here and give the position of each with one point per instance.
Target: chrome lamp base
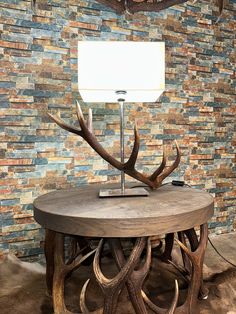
(126, 193)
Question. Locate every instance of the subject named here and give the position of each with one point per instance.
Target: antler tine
(150, 304)
(185, 249)
(86, 129)
(159, 310)
(145, 268)
(175, 300)
(160, 168)
(80, 116)
(65, 126)
(97, 270)
(75, 264)
(82, 120)
(133, 157)
(203, 238)
(90, 120)
(221, 6)
(83, 306)
(92, 141)
(128, 267)
(175, 164)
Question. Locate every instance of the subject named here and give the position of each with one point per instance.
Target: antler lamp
(118, 72)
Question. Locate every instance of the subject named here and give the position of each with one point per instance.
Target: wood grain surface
(80, 211)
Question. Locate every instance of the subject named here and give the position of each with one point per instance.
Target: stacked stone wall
(38, 67)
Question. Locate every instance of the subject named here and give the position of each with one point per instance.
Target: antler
(135, 281)
(86, 132)
(159, 310)
(132, 6)
(121, 6)
(196, 258)
(112, 287)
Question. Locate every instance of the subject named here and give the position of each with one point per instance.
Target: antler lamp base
(153, 181)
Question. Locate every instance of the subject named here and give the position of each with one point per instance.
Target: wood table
(79, 212)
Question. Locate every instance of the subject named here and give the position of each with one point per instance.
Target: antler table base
(64, 213)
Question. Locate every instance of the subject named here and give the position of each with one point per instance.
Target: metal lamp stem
(122, 191)
(122, 142)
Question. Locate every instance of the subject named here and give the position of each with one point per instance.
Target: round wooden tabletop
(80, 211)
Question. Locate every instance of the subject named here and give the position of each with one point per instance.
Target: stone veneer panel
(38, 67)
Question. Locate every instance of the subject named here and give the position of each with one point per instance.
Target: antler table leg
(193, 240)
(49, 255)
(61, 270)
(59, 276)
(135, 281)
(193, 259)
(186, 261)
(169, 242)
(131, 273)
(196, 257)
(112, 287)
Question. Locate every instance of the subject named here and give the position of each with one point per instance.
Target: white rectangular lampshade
(135, 67)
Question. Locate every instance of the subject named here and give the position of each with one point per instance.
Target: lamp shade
(135, 67)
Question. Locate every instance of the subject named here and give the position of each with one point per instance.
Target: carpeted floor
(22, 285)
